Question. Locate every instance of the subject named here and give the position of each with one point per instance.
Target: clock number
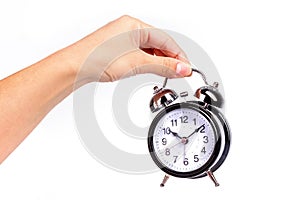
(184, 119)
(166, 130)
(195, 121)
(205, 139)
(202, 127)
(174, 122)
(164, 141)
(203, 150)
(167, 152)
(196, 158)
(175, 158)
(186, 162)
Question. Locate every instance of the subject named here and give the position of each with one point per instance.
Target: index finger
(160, 40)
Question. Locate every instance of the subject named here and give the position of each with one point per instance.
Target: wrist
(74, 58)
(77, 57)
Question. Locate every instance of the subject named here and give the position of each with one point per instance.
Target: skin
(28, 95)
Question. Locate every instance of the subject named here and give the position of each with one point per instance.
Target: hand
(127, 47)
(175, 134)
(184, 152)
(195, 131)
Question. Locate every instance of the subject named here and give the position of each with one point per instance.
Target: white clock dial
(183, 140)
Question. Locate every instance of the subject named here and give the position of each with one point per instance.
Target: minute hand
(195, 131)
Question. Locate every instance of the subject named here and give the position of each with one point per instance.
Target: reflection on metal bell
(162, 98)
(210, 95)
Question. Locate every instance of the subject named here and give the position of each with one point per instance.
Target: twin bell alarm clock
(188, 138)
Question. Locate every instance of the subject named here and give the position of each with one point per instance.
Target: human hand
(120, 49)
(127, 47)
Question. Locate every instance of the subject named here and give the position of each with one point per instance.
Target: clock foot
(212, 177)
(166, 177)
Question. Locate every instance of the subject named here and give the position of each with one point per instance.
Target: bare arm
(28, 95)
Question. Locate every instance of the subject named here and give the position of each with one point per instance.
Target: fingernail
(183, 69)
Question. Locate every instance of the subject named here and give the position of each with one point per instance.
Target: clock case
(209, 102)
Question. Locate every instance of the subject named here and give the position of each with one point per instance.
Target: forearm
(28, 95)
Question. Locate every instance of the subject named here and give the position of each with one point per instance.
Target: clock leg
(212, 177)
(166, 177)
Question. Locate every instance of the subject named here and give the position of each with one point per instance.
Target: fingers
(146, 36)
(139, 48)
(149, 37)
(161, 41)
(163, 66)
(139, 62)
(137, 24)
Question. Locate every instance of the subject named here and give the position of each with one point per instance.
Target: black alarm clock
(188, 139)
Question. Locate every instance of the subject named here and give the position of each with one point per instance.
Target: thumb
(165, 66)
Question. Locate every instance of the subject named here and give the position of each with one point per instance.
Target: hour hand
(175, 134)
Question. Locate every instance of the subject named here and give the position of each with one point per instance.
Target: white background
(254, 44)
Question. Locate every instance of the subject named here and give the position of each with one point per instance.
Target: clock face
(182, 140)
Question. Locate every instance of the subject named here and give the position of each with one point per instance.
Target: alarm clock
(188, 138)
